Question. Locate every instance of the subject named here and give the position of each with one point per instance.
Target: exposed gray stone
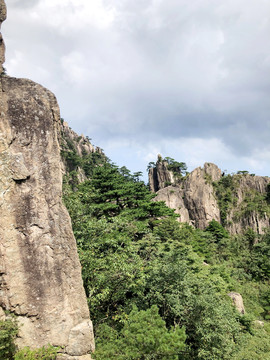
(160, 176)
(237, 301)
(194, 197)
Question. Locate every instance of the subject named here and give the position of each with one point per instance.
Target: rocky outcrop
(77, 150)
(195, 197)
(80, 144)
(250, 211)
(199, 197)
(237, 301)
(40, 273)
(173, 196)
(160, 176)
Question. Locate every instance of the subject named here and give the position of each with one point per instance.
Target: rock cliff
(237, 201)
(160, 176)
(250, 208)
(40, 273)
(77, 153)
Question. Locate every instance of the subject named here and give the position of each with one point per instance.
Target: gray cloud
(152, 72)
(22, 4)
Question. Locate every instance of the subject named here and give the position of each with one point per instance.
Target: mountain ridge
(206, 194)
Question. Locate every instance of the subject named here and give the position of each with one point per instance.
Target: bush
(217, 230)
(144, 336)
(8, 332)
(45, 353)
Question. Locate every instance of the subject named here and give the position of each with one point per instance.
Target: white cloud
(67, 15)
(74, 68)
(161, 75)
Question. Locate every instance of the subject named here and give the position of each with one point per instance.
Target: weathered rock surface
(199, 197)
(173, 196)
(75, 145)
(238, 218)
(40, 273)
(237, 301)
(160, 176)
(80, 143)
(194, 197)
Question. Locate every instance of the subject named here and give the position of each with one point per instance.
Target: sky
(181, 78)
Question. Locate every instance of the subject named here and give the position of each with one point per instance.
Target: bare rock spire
(3, 15)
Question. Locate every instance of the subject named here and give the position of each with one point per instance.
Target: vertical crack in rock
(40, 273)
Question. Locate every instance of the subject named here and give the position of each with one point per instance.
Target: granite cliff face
(160, 176)
(250, 210)
(40, 273)
(238, 202)
(193, 198)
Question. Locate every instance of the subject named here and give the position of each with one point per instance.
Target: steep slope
(79, 156)
(40, 279)
(238, 202)
(249, 207)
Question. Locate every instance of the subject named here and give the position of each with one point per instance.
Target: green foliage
(266, 305)
(254, 347)
(178, 168)
(73, 160)
(8, 333)
(111, 267)
(254, 202)
(268, 193)
(44, 353)
(198, 301)
(260, 258)
(143, 336)
(225, 192)
(139, 263)
(114, 193)
(217, 230)
(112, 217)
(150, 165)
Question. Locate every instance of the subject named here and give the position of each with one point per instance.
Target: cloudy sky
(189, 79)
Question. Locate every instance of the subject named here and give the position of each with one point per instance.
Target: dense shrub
(8, 332)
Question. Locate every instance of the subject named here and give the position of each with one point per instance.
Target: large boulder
(237, 301)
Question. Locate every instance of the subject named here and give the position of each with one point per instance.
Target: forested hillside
(157, 288)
